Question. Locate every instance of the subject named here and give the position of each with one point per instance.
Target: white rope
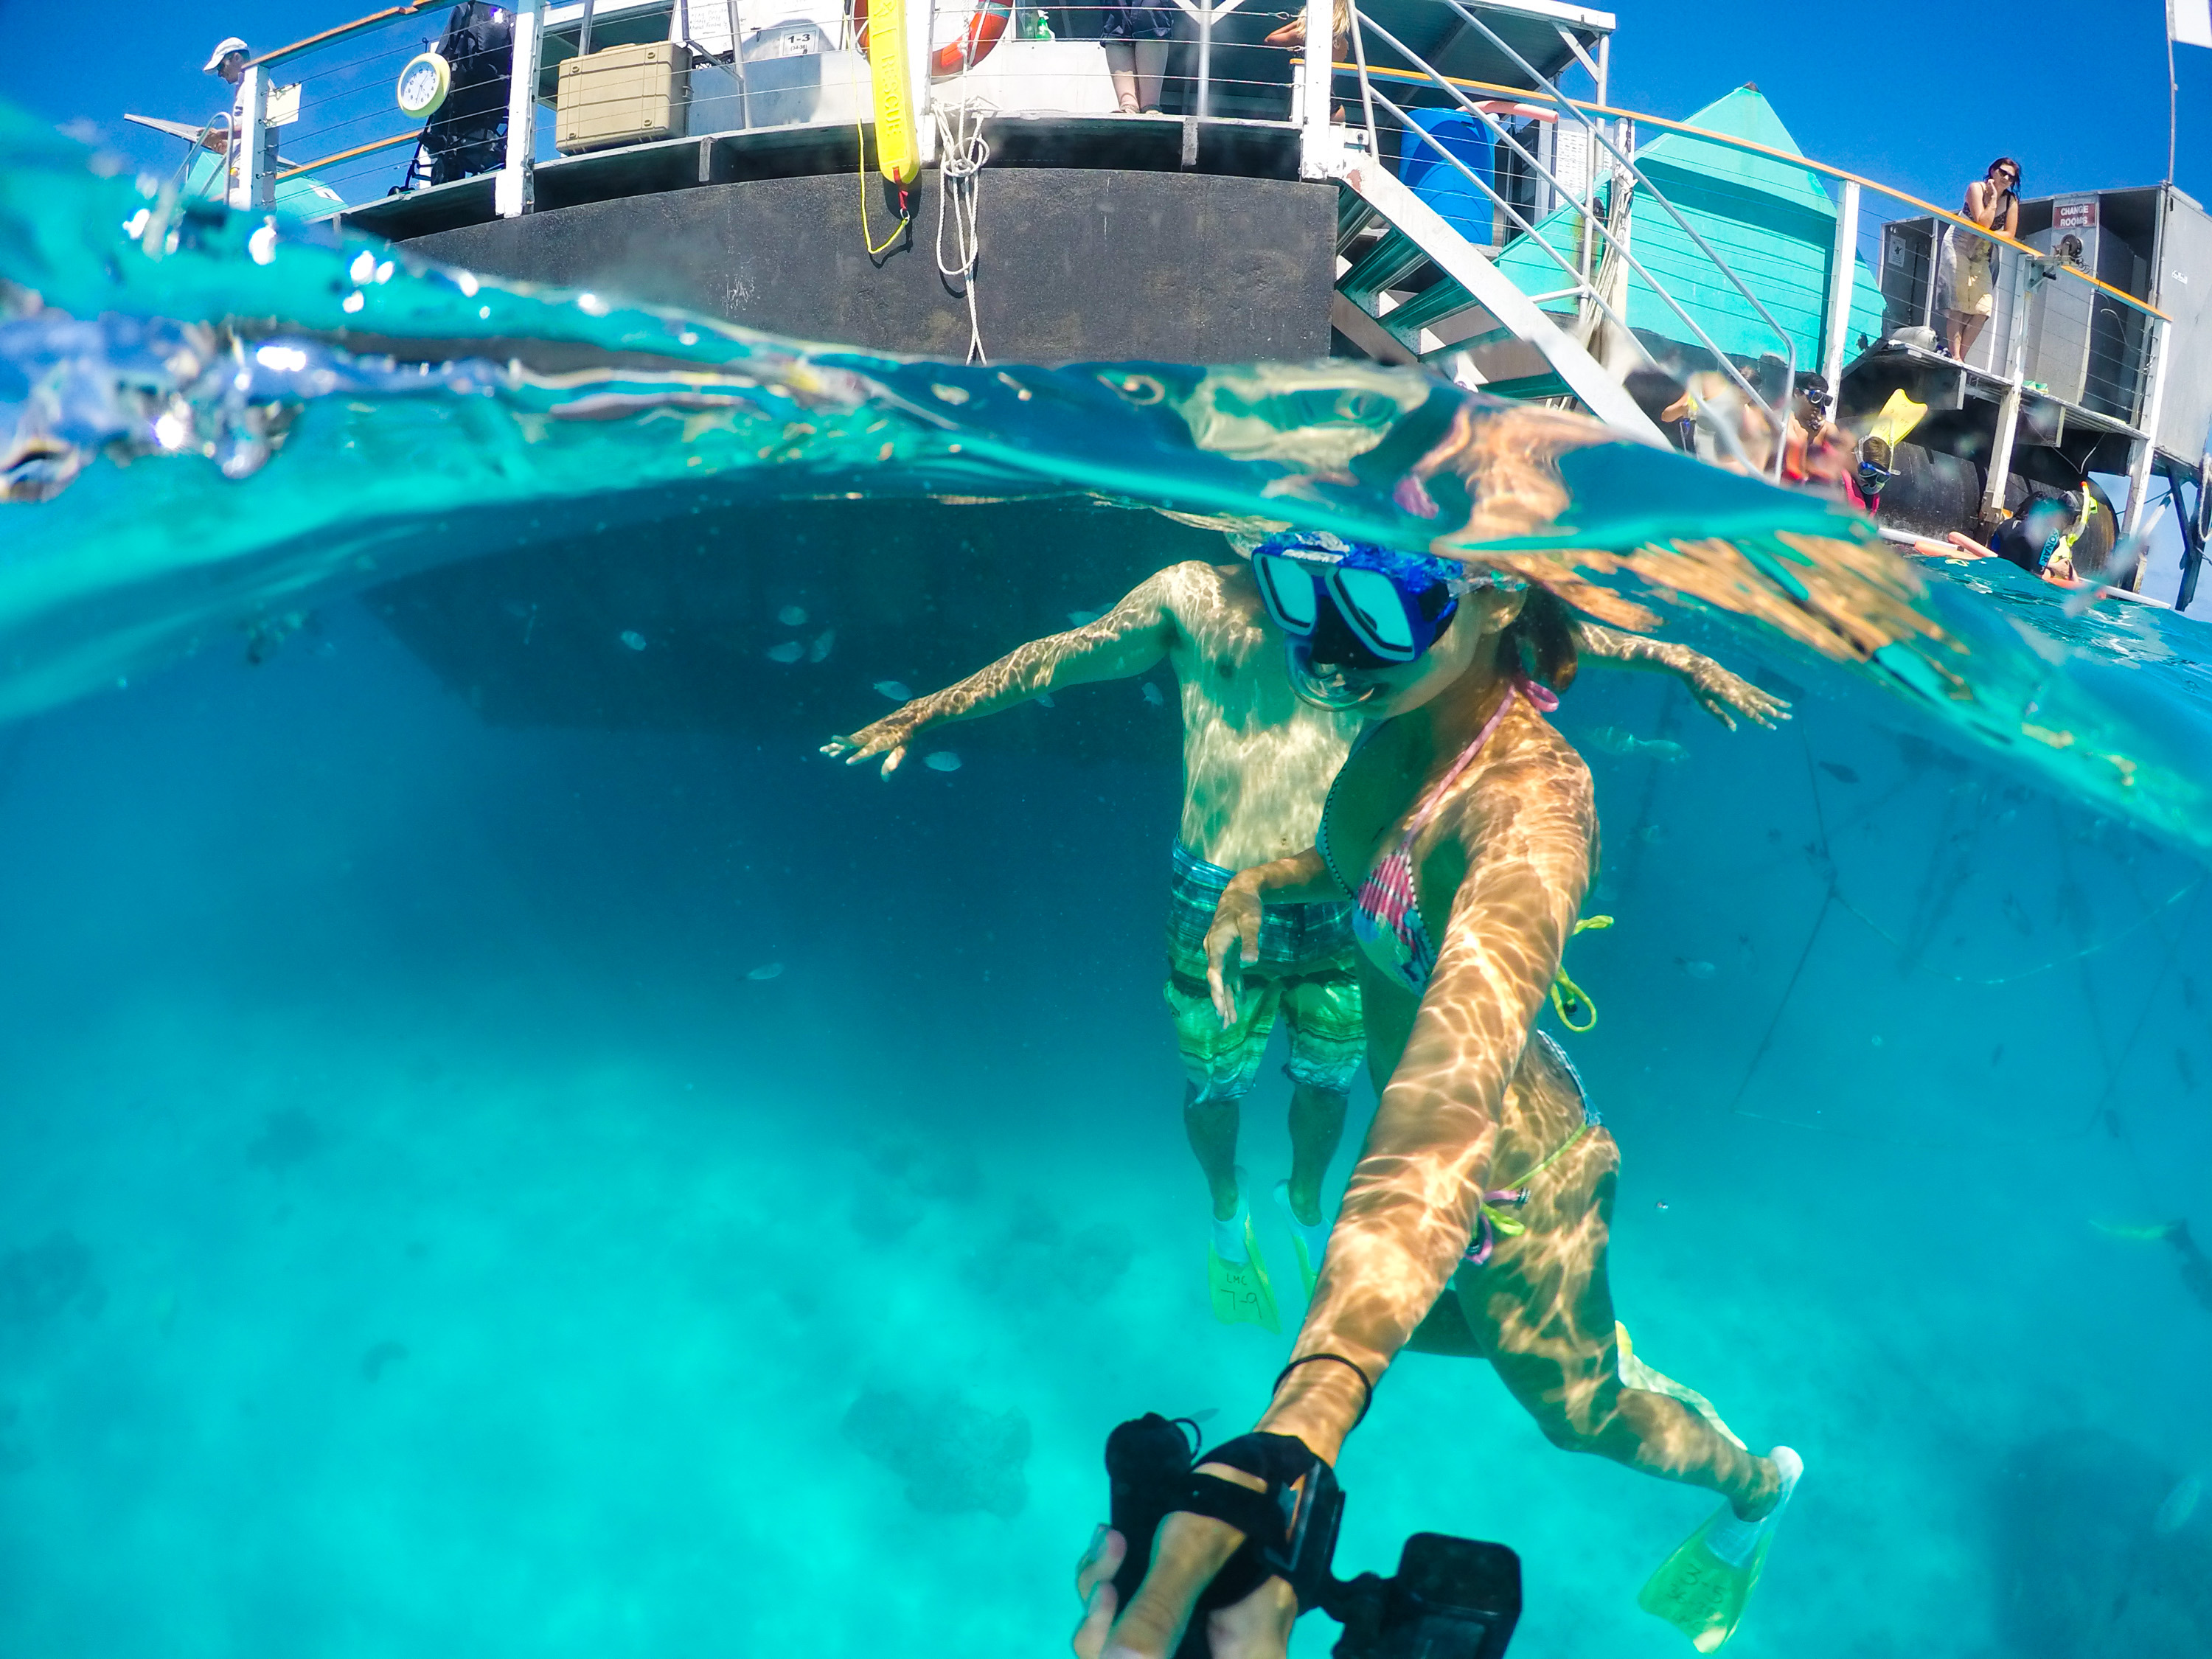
(960, 156)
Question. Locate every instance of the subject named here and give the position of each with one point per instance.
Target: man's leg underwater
(1221, 1064)
(1210, 1123)
(1328, 1045)
(1317, 1131)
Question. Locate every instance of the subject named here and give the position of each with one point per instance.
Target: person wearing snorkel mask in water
(1257, 763)
(1463, 830)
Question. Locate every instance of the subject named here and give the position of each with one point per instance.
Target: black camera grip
(1148, 1463)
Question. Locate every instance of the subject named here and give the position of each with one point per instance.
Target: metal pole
(250, 174)
(2008, 408)
(584, 34)
(1842, 273)
(738, 66)
(2172, 97)
(2146, 448)
(1366, 87)
(1317, 147)
(921, 89)
(1205, 58)
(2193, 545)
(511, 192)
(1937, 230)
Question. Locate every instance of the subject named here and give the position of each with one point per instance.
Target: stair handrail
(1582, 284)
(1622, 159)
(1753, 147)
(1585, 285)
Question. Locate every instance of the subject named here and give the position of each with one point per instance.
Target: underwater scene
(508, 1147)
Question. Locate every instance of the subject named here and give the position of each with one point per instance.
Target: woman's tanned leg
(1541, 1312)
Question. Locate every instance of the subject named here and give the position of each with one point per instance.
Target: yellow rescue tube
(897, 157)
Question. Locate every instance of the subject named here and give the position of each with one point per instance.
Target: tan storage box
(623, 95)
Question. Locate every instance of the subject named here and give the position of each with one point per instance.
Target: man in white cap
(227, 59)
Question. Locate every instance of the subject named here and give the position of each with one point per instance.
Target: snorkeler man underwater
(1257, 764)
(1463, 829)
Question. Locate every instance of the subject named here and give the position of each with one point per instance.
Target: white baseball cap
(223, 49)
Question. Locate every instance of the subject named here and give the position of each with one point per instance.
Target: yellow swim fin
(1702, 1587)
(1242, 1294)
(1311, 1243)
(1897, 419)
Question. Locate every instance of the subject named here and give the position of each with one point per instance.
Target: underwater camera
(1451, 1598)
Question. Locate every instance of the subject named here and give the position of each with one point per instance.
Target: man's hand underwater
(1724, 696)
(888, 737)
(1188, 1551)
(1236, 922)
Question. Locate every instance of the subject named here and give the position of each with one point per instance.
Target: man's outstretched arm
(1131, 637)
(1719, 693)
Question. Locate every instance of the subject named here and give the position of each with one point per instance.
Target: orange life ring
(986, 27)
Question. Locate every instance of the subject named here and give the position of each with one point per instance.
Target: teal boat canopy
(1774, 224)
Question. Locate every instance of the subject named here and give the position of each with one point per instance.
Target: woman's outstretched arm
(1528, 830)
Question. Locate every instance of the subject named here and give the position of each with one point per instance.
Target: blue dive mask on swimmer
(1358, 605)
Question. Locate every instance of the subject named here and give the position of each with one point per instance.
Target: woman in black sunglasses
(1969, 261)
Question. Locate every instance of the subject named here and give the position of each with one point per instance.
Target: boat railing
(1560, 187)
(2058, 337)
(744, 68)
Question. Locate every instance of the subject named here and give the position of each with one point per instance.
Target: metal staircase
(1407, 275)
(1465, 282)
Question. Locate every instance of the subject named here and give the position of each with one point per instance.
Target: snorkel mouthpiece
(1332, 686)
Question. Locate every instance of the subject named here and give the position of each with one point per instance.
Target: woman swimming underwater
(1462, 826)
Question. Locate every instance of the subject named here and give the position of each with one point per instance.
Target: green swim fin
(1702, 1587)
(1311, 1243)
(1241, 1292)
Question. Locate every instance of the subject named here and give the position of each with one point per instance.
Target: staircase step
(1385, 265)
(1446, 298)
(1353, 215)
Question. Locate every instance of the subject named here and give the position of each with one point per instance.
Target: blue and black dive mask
(1351, 608)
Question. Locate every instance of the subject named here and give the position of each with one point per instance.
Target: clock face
(422, 84)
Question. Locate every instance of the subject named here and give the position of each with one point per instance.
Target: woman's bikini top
(1385, 912)
(1386, 919)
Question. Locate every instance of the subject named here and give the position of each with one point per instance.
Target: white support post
(253, 180)
(2008, 427)
(1842, 273)
(511, 185)
(2153, 410)
(921, 28)
(1318, 146)
(1205, 58)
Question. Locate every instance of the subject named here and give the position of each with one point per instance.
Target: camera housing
(1451, 1598)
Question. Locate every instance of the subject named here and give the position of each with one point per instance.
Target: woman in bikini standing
(1463, 828)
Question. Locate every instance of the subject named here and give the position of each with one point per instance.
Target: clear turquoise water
(419, 1233)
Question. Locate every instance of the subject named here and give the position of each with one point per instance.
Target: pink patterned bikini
(1386, 920)
(1385, 912)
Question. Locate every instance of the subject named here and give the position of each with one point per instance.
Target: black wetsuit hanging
(468, 134)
